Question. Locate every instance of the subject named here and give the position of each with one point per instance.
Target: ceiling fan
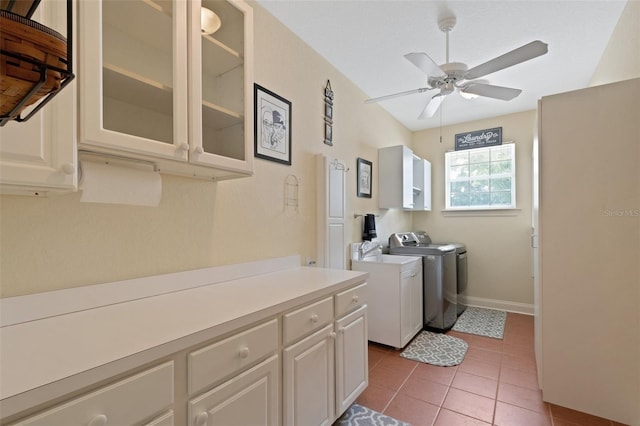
(450, 76)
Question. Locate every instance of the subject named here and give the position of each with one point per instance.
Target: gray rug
(481, 321)
(436, 349)
(358, 415)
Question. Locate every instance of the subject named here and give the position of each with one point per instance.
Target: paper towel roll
(117, 184)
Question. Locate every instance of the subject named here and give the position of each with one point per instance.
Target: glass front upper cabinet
(157, 82)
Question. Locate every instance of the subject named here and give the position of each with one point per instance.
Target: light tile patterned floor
(496, 384)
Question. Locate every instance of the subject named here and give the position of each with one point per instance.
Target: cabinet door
(395, 177)
(309, 380)
(39, 155)
(133, 77)
(421, 184)
(250, 398)
(411, 305)
(352, 366)
(221, 77)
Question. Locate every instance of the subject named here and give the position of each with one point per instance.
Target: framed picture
(272, 126)
(364, 178)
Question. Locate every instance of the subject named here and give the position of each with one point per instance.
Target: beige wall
(621, 60)
(58, 242)
(498, 243)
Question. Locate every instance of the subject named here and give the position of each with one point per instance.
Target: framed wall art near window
(365, 169)
(272, 126)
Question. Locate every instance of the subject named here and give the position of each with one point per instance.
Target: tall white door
(332, 212)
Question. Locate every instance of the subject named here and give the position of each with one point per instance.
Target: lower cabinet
(395, 300)
(309, 380)
(325, 371)
(300, 367)
(352, 366)
(250, 398)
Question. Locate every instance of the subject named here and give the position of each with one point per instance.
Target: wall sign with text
(479, 138)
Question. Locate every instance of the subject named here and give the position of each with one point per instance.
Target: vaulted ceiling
(366, 40)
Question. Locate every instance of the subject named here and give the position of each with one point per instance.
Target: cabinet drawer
(351, 299)
(164, 420)
(126, 402)
(214, 362)
(306, 320)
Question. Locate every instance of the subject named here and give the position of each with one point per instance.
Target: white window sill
(482, 212)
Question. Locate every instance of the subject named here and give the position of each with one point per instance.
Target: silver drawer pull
(99, 420)
(354, 299)
(244, 352)
(314, 318)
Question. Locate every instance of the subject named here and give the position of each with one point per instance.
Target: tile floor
(496, 384)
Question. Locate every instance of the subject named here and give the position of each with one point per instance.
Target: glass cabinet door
(134, 65)
(221, 74)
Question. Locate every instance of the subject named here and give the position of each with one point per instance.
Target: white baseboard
(501, 305)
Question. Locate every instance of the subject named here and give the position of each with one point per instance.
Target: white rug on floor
(436, 349)
(358, 415)
(481, 321)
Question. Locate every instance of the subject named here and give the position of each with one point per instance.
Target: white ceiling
(367, 39)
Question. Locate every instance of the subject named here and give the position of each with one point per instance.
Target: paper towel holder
(99, 157)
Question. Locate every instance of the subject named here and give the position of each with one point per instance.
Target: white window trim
(487, 208)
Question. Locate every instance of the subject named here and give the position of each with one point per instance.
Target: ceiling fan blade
(516, 56)
(490, 91)
(425, 63)
(431, 107)
(396, 95)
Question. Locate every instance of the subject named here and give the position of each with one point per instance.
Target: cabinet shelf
(138, 90)
(218, 117)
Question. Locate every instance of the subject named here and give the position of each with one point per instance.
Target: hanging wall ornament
(328, 114)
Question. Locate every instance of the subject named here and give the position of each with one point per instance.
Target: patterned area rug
(357, 415)
(481, 321)
(436, 349)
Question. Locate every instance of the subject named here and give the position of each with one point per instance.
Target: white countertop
(39, 352)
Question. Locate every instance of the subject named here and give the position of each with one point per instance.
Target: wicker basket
(34, 41)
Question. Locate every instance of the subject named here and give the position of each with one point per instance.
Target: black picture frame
(364, 176)
(272, 126)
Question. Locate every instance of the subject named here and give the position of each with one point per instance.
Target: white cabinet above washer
(404, 179)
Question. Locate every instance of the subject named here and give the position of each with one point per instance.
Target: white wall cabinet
(39, 155)
(404, 180)
(395, 287)
(153, 87)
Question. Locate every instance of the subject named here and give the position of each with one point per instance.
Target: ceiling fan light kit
(448, 77)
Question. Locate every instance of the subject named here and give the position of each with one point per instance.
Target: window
(481, 178)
